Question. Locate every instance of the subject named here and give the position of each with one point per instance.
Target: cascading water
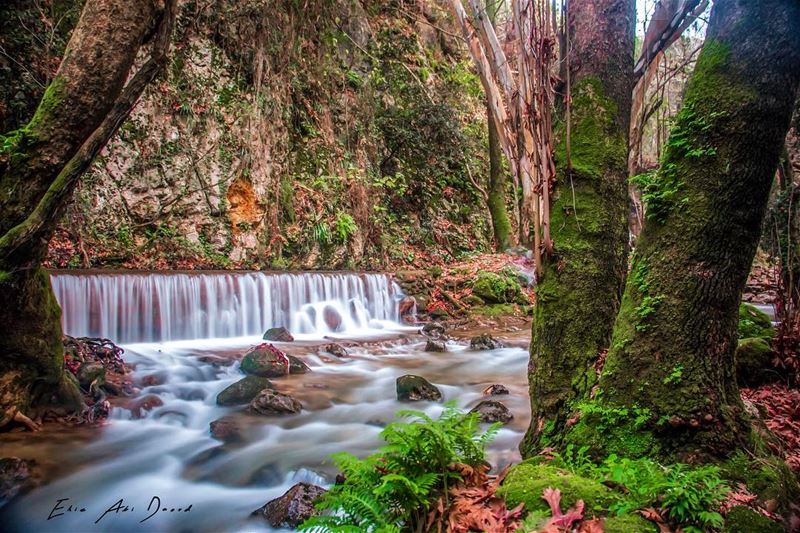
(160, 307)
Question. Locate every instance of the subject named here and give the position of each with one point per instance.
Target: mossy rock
(754, 362)
(525, 483)
(744, 520)
(498, 289)
(770, 479)
(495, 310)
(243, 391)
(269, 362)
(628, 523)
(754, 323)
(473, 300)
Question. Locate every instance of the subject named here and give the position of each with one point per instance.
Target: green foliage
(321, 232)
(754, 323)
(344, 227)
(688, 494)
(391, 490)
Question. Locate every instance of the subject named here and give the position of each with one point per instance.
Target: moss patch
(744, 520)
(525, 483)
(498, 289)
(628, 523)
(754, 323)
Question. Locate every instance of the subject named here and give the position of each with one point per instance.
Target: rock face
(435, 346)
(17, 476)
(337, 350)
(408, 307)
(493, 411)
(225, 429)
(485, 342)
(293, 508)
(271, 402)
(267, 361)
(412, 388)
(495, 390)
(243, 391)
(278, 335)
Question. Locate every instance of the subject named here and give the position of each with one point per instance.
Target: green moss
(743, 520)
(770, 479)
(628, 523)
(754, 323)
(495, 310)
(498, 289)
(753, 361)
(526, 482)
(619, 430)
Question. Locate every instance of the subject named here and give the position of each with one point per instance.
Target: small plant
(393, 489)
(322, 234)
(345, 227)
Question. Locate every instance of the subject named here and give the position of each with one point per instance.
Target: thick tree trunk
(578, 296)
(497, 191)
(668, 387)
(39, 166)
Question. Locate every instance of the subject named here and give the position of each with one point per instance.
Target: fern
(392, 489)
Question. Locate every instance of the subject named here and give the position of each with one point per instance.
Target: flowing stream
(176, 329)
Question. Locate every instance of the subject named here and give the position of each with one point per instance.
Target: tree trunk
(39, 166)
(579, 292)
(497, 191)
(668, 388)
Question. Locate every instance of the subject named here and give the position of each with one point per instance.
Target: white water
(170, 453)
(142, 307)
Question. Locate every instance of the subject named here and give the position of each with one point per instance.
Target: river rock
(243, 391)
(271, 402)
(332, 318)
(433, 330)
(407, 306)
(139, 406)
(278, 335)
(216, 361)
(226, 429)
(493, 411)
(412, 388)
(337, 350)
(485, 342)
(495, 390)
(293, 508)
(17, 476)
(434, 345)
(267, 361)
(89, 372)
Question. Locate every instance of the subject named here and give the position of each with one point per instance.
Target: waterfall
(153, 307)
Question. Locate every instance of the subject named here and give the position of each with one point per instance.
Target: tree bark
(579, 292)
(81, 110)
(668, 388)
(497, 191)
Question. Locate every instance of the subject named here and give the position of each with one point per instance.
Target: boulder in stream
(293, 508)
(226, 429)
(485, 342)
(332, 318)
(433, 330)
(278, 335)
(407, 307)
(143, 404)
(243, 391)
(412, 388)
(337, 350)
(495, 390)
(271, 402)
(267, 361)
(434, 345)
(493, 411)
(17, 476)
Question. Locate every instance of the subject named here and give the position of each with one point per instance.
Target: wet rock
(271, 402)
(139, 406)
(434, 345)
(293, 508)
(226, 429)
(493, 411)
(153, 380)
(407, 306)
(278, 334)
(439, 314)
(412, 388)
(17, 476)
(332, 318)
(495, 390)
(89, 373)
(433, 330)
(216, 361)
(267, 361)
(337, 350)
(485, 342)
(243, 391)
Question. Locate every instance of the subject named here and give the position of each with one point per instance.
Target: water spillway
(156, 307)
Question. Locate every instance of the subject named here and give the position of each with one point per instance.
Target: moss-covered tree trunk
(579, 293)
(668, 387)
(39, 166)
(497, 192)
